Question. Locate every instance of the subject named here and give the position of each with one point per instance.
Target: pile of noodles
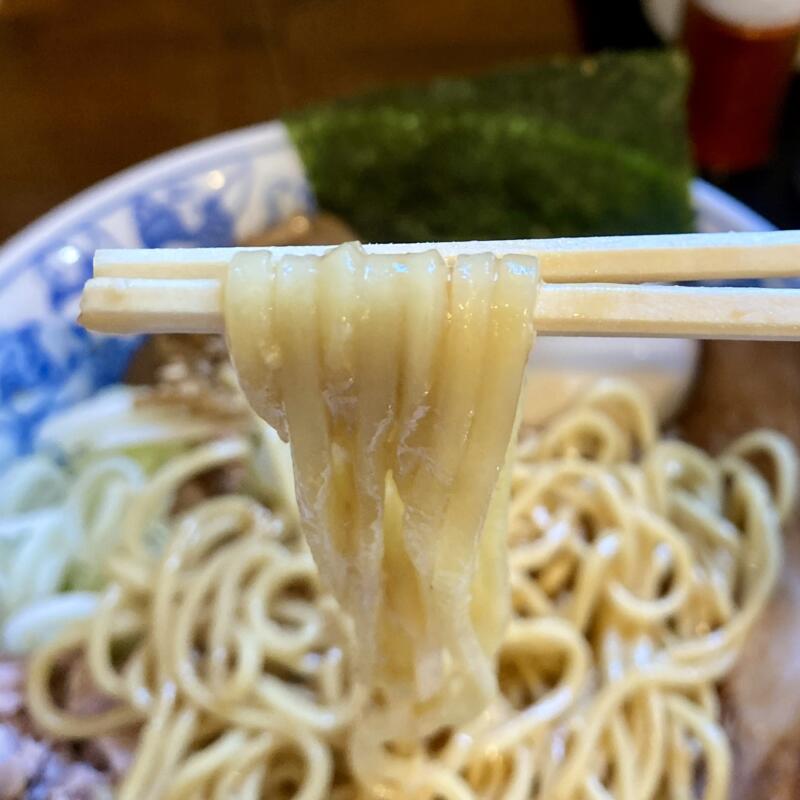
(637, 567)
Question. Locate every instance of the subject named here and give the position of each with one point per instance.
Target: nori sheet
(597, 146)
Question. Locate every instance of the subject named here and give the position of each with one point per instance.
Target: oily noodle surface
(396, 381)
(637, 567)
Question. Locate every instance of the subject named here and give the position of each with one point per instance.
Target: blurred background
(90, 88)
(643, 95)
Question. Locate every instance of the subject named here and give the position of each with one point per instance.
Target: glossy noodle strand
(397, 385)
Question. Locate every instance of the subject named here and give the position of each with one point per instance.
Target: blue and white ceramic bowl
(212, 194)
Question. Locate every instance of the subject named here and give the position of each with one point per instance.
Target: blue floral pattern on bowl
(209, 194)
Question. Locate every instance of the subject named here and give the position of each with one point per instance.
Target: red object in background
(740, 77)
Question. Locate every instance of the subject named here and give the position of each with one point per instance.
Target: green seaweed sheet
(596, 146)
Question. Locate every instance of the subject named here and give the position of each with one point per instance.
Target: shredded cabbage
(62, 509)
(41, 620)
(119, 418)
(57, 527)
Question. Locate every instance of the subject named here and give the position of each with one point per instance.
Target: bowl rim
(209, 153)
(213, 151)
(716, 202)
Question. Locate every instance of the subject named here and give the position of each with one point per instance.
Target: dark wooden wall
(88, 87)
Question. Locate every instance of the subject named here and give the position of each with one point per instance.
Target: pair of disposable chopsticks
(591, 286)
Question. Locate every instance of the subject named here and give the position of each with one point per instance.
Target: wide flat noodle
(397, 382)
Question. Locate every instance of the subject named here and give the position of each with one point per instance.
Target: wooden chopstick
(144, 305)
(195, 305)
(613, 259)
(152, 291)
(682, 311)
